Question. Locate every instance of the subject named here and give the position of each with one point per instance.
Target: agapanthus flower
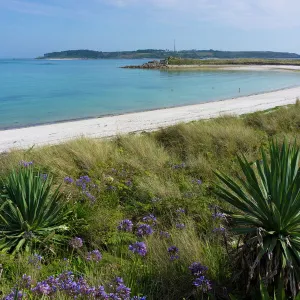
(83, 181)
(180, 226)
(125, 225)
(139, 248)
(26, 163)
(26, 282)
(35, 260)
(144, 229)
(90, 196)
(42, 288)
(219, 215)
(14, 295)
(94, 255)
(219, 229)
(68, 179)
(150, 219)
(44, 177)
(198, 269)
(165, 234)
(179, 166)
(173, 252)
(139, 298)
(202, 283)
(197, 181)
(180, 211)
(128, 183)
(76, 242)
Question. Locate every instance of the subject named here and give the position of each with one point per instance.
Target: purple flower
(219, 229)
(128, 183)
(180, 226)
(68, 179)
(42, 288)
(218, 215)
(203, 284)
(90, 196)
(26, 163)
(83, 181)
(197, 181)
(26, 282)
(165, 234)
(144, 229)
(14, 295)
(179, 166)
(173, 252)
(76, 242)
(44, 177)
(139, 248)
(125, 225)
(139, 298)
(95, 255)
(197, 269)
(180, 211)
(150, 219)
(35, 260)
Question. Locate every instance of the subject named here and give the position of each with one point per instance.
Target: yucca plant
(31, 214)
(265, 203)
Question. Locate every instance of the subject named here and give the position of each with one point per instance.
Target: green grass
(237, 61)
(148, 161)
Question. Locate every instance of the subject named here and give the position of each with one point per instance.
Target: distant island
(163, 54)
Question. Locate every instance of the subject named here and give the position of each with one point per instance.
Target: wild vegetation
(160, 54)
(234, 61)
(204, 210)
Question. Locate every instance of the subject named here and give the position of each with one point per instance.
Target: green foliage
(31, 214)
(267, 203)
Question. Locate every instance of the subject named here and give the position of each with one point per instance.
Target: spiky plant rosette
(31, 214)
(266, 199)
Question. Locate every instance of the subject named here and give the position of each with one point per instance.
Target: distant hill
(160, 54)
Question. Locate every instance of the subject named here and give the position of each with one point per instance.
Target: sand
(109, 126)
(236, 67)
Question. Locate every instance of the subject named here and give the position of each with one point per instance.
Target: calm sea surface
(38, 91)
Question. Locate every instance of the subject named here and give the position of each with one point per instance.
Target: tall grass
(156, 173)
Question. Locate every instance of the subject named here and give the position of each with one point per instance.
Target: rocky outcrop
(155, 64)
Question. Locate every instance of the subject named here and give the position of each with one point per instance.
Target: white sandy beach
(141, 121)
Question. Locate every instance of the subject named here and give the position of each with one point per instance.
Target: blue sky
(29, 28)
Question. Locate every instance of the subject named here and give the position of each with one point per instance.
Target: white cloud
(239, 13)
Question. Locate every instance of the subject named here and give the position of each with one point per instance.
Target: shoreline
(141, 110)
(108, 126)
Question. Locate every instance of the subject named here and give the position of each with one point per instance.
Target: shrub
(267, 202)
(30, 213)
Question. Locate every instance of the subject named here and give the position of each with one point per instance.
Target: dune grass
(156, 173)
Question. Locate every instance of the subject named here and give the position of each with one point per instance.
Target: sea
(34, 92)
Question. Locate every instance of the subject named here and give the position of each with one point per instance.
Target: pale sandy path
(141, 121)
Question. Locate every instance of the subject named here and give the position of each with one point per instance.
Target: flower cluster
(197, 181)
(83, 181)
(198, 269)
(180, 211)
(35, 260)
(44, 177)
(144, 229)
(68, 179)
(76, 242)
(125, 225)
(26, 164)
(173, 252)
(179, 166)
(94, 255)
(220, 229)
(180, 226)
(219, 215)
(200, 282)
(69, 285)
(150, 219)
(139, 248)
(165, 234)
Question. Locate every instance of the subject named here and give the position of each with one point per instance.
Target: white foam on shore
(142, 121)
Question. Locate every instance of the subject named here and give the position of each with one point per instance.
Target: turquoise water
(35, 92)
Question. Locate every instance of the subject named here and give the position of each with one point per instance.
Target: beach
(109, 126)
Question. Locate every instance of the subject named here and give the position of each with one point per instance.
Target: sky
(29, 28)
